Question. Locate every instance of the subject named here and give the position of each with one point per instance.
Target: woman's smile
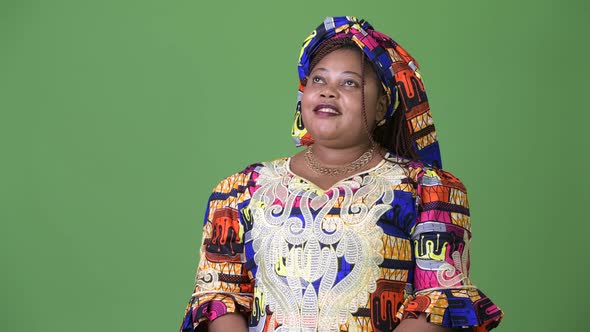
(326, 110)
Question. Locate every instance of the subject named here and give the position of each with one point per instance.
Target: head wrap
(397, 70)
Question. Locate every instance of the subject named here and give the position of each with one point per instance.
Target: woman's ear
(382, 103)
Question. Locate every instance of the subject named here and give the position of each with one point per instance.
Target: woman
(362, 231)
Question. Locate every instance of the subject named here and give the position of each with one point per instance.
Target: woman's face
(331, 105)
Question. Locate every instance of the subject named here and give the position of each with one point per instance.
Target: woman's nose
(328, 91)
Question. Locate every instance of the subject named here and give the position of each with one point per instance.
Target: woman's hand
(419, 325)
(229, 322)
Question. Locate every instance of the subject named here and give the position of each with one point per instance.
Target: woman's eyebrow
(344, 72)
(320, 69)
(353, 73)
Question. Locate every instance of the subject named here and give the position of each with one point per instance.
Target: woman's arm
(419, 325)
(222, 283)
(229, 322)
(441, 239)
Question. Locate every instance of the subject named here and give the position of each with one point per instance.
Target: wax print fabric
(399, 74)
(378, 247)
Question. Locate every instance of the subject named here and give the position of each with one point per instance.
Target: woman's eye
(350, 83)
(316, 79)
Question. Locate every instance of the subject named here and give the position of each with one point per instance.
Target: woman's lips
(326, 110)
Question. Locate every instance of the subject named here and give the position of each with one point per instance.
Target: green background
(119, 117)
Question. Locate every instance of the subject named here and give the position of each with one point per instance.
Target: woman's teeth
(328, 110)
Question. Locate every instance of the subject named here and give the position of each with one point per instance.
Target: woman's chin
(325, 136)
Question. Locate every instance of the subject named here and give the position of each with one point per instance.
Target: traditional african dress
(378, 247)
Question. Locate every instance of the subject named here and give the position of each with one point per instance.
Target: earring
(380, 123)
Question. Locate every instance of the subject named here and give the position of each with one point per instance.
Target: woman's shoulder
(249, 174)
(427, 175)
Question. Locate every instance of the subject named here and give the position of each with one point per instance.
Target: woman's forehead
(345, 60)
(341, 58)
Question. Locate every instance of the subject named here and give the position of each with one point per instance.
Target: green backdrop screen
(119, 117)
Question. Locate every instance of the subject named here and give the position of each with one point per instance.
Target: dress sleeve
(222, 282)
(441, 239)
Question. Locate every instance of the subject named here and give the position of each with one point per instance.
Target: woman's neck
(334, 157)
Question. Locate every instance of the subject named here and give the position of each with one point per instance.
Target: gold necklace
(316, 166)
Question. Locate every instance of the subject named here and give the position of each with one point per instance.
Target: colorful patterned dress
(378, 247)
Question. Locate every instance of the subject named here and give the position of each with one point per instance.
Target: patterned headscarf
(397, 70)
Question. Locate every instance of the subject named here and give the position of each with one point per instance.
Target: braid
(395, 136)
(328, 47)
(364, 110)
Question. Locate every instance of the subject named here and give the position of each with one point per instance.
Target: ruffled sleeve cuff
(206, 307)
(457, 308)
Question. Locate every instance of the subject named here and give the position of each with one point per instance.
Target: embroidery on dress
(300, 241)
(450, 275)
